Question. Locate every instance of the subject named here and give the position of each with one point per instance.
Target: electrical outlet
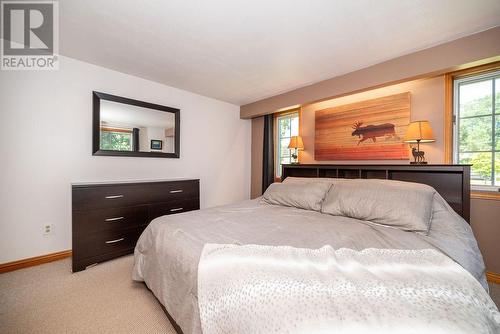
(48, 229)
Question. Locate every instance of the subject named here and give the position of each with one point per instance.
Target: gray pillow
(404, 205)
(307, 196)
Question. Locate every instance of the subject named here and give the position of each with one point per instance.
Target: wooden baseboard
(33, 261)
(493, 277)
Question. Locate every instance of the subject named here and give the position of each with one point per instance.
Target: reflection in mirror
(127, 127)
(130, 128)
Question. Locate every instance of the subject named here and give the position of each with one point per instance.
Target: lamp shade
(296, 142)
(419, 131)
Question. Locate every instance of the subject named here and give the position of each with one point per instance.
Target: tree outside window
(287, 126)
(116, 140)
(477, 128)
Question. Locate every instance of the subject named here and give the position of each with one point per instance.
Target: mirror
(127, 127)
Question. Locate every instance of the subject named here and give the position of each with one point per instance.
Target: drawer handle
(114, 241)
(113, 219)
(176, 191)
(113, 196)
(176, 209)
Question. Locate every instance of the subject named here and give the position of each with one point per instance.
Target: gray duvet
(168, 252)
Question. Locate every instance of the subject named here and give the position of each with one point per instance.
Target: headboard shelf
(452, 182)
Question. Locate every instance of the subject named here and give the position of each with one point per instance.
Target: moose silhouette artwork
(363, 130)
(373, 131)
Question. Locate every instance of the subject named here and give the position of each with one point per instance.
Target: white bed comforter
(281, 289)
(169, 250)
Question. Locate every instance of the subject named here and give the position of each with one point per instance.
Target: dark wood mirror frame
(96, 126)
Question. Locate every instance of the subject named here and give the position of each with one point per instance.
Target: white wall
(53, 111)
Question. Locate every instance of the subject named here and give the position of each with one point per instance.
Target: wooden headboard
(452, 182)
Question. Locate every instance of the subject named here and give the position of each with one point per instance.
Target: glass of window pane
(284, 146)
(285, 160)
(497, 96)
(481, 166)
(497, 168)
(284, 125)
(475, 134)
(497, 132)
(294, 127)
(116, 141)
(475, 98)
(285, 154)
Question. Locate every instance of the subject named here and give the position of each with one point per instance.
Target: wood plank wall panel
(334, 130)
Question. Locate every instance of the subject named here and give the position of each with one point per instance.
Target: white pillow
(405, 205)
(307, 196)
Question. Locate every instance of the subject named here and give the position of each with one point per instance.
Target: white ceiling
(241, 51)
(129, 116)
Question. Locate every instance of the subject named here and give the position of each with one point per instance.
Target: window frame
(493, 76)
(277, 138)
(451, 125)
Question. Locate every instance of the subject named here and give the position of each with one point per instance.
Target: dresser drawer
(106, 242)
(100, 197)
(110, 219)
(172, 207)
(174, 190)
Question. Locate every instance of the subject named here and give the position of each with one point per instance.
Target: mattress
(168, 251)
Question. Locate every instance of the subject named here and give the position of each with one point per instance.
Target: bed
(168, 252)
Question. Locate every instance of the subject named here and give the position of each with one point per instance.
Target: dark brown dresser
(108, 218)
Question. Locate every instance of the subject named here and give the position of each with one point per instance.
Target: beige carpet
(102, 299)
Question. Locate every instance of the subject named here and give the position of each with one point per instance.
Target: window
(476, 132)
(116, 139)
(287, 125)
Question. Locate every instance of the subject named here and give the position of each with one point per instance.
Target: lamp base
(418, 155)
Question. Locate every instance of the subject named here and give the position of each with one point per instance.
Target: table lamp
(296, 144)
(419, 132)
